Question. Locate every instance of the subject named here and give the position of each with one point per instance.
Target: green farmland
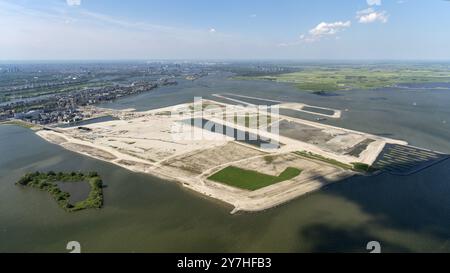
(334, 78)
(251, 180)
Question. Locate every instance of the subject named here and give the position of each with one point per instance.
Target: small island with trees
(49, 182)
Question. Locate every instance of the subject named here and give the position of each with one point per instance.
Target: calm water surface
(78, 190)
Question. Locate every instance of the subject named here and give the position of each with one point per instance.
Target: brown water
(78, 190)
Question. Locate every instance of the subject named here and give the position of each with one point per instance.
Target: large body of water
(145, 214)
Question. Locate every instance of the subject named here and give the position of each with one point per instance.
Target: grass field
(334, 78)
(324, 159)
(355, 166)
(251, 180)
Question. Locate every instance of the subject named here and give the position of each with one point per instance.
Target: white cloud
(322, 30)
(370, 15)
(374, 2)
(325, 29)
(212, 30)
(252, 16)
(73, 2)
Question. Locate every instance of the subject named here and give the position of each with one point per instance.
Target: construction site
(233, 150)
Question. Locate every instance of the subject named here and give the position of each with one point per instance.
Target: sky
(225, 29)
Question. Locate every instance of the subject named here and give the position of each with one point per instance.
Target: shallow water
(78, 190)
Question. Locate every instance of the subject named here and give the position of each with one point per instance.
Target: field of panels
(405, 160)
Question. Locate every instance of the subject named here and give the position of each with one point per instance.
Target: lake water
(78, 190)
(146, 214)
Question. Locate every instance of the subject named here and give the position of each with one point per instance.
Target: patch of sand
(51, 137)
(92, 151)
(199, 161)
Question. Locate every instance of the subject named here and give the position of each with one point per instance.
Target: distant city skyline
(232, 29)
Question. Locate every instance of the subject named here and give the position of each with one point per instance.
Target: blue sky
(219, 29)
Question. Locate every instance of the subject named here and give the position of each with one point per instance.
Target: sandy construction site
(152, 142)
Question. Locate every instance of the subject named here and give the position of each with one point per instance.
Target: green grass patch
(19, 123)
(269, 159)
(48, 182)
(355, 166)
(324, 159)
(362, 167)
(251, 180)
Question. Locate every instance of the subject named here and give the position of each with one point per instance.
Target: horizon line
(5, 61)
